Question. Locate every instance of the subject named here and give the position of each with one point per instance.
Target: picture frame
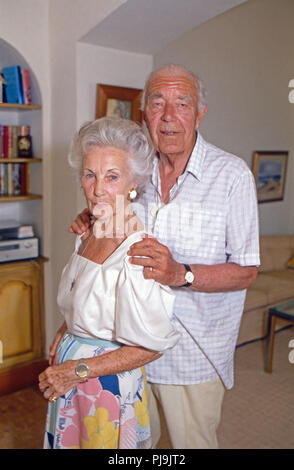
(118, 101)
(269, 170)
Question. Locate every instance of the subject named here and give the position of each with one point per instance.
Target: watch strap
(188, 269)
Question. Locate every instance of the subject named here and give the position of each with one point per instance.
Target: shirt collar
(195, 163)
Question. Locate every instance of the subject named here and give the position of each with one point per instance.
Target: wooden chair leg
(271, 341)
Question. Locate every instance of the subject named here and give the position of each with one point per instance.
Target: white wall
(245, 57)
(23, 29)
(69, 20)
(105, 66)
(46, 33)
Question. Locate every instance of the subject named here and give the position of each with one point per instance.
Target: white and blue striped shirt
(211, 218)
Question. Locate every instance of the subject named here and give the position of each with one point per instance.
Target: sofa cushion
(255, 298)
(270, 288)
(275, 252)
(283, 275)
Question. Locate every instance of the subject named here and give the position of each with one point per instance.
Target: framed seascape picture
(269, 170)
(118, 101)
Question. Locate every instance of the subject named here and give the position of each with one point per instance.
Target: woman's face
(106, 175)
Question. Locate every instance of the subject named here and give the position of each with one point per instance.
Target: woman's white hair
(119, 133)
(172, 69)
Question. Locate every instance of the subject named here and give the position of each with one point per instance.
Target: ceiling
(147, 26)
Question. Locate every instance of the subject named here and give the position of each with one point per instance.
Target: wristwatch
(189, 276)
(82, 370)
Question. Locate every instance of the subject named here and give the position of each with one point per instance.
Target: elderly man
(201, 207)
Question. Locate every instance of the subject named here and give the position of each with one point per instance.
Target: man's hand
(81, 225)
(157, 261)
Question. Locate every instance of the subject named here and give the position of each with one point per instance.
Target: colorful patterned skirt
(108, 412)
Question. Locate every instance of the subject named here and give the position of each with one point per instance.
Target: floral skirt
(108, 412)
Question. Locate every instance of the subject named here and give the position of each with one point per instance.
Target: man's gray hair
(172, 69)
(119, 133)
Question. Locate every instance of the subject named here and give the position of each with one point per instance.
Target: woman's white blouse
(113, 301)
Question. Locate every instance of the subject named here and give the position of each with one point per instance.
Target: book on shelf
(13, 179)
(1, 142)
(26, 86)
(15, 141)
(2, 88)
(13, 84)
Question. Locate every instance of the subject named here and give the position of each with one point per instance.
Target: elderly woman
(115, 319)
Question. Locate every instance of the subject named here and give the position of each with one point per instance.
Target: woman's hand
(59, 379)
(82, 224)
(54, 345)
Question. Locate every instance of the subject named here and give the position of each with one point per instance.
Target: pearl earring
(132, 194)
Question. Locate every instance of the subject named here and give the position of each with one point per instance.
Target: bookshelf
(22, 309)
(28, 195)
(19, 160)
(19, 106)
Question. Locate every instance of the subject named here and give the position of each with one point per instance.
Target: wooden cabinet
(21, 322)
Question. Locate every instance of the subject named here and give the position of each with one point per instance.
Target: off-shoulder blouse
(113, 301)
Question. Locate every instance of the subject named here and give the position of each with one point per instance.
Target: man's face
(171, 113)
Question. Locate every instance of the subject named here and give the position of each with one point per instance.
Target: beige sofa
(274, 285)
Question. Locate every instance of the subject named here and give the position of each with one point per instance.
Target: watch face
(189, 277)
(82, 370)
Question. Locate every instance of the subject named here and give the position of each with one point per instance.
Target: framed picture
(269, 170)
(118, 101)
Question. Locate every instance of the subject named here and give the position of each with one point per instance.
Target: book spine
(5, 179)
(10, 142)
(1, 179)
(16, 179)
(26, 85)
(1, 142)
(13, 79)
(2, 88)
(5, 141)
(9, 180)
(23, 179)
(14, 141)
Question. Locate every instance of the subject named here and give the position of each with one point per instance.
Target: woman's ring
(52, 398)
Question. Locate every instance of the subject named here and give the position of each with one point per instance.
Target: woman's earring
(132, 194)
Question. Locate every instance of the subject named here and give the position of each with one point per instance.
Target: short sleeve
(242, 233)
(143, 311)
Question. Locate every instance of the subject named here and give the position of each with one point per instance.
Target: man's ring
(52, 398)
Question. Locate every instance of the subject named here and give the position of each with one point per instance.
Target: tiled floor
(257, 413)
(22, 419)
